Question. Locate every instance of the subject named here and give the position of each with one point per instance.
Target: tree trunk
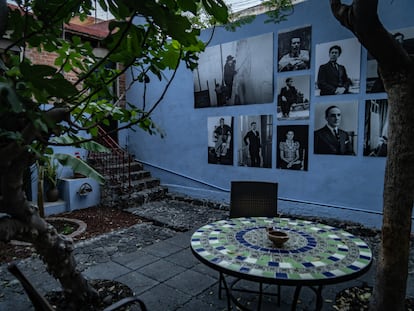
(397, 72)
(26, 225)
(392, 268)
(3, 16)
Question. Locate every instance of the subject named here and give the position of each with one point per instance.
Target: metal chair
(41, 304)
(252, 199)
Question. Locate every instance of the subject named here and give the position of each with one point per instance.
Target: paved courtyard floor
(155, 260)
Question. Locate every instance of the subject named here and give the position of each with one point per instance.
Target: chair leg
(223, 285)
(259, 303)
(41, 304)
(126, 301)
(278, 295)
(38, 300)
(220, 285)
(296, 297)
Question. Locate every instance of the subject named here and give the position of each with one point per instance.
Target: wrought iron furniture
(40, 303)
(250, 199)
(253, 198)
(314, 256)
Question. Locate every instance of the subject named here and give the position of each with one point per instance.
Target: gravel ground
(112, 232)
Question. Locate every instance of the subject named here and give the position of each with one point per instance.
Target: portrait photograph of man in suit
(336, 128)
(405, 37)
(338, 67)
(254, 142)
(293, 97)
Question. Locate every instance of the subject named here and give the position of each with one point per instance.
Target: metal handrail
(114, 165)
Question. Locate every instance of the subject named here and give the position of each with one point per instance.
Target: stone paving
(155, 260)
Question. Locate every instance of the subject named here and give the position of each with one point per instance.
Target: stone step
(119, 168)
(146, 195)
(123, 201)
(119, 192)
(108, 156)
(136, 185)
(123, 178)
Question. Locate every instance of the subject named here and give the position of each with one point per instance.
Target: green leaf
(103, 5)
(187, 5)
(45, 78)
(78, 141)
(79, 166)
(37, 71)
(14, 136)
(39, 124)
(8, 95)
(218, 9)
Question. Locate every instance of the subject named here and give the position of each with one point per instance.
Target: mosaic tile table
(315, 254)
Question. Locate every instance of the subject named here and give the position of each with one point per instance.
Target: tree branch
(390, 55)
(15, 149)
(3, 16)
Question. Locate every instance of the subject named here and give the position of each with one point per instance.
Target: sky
(236, 5)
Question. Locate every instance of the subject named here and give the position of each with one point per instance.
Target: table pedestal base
(230, 297)
(318, 292)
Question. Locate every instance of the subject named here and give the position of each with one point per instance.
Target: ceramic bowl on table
(278, 237)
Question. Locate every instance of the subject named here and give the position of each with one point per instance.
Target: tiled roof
(97, 31)
(91, 27)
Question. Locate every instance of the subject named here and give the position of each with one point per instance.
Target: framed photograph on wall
(292, 147)
(294, 49)
(255, 141)
(235, 73)
(374, 84)
(337, 67)
(293, 97)
(220, 140)
(336, 128)
(376, 128)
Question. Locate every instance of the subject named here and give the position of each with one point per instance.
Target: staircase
(127, 183)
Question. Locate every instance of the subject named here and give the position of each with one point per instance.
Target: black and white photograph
(336, 128)
(293, 97)
(220, 140)
(374, 84)
(376, 128)
(337, 67)
(235, 73)
(292, 147)
(294, 49)
(255, 141)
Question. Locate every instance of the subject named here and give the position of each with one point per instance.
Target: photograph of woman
(292, 147)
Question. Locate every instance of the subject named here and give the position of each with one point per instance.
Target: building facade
(240, 80)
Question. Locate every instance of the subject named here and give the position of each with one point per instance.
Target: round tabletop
(315, 253)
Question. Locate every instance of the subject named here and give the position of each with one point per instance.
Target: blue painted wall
(345, 187)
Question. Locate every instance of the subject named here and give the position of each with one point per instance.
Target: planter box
(52, 208)
(79, 193)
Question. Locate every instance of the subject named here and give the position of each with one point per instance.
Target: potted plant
(50, 174)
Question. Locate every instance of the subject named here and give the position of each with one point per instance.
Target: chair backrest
(253, 199)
